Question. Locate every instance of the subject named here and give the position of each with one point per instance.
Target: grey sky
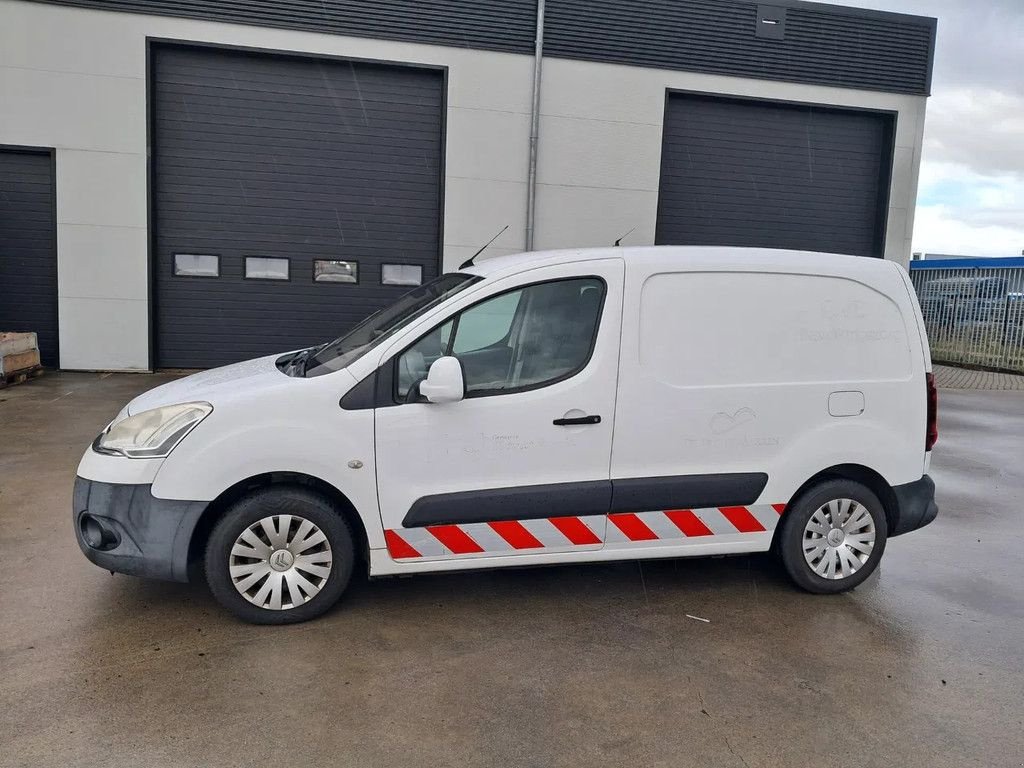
(971, 195)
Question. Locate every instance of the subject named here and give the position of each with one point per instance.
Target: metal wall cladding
(818, 44)
(773, 175)
(822, 45)
(28, 248)
(499, 25)
(272, 157)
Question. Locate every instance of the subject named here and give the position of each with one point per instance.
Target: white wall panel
(103, 333)
(599, 153)
(487, 144)
(97, 262)
(574, 216)
(101, 188)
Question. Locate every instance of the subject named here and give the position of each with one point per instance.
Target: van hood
(216, 384)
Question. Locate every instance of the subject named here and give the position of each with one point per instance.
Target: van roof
(690, 257)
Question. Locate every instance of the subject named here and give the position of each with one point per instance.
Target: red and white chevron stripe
(573, 533)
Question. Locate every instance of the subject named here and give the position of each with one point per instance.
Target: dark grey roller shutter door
(28, 248)
(308, 159)
(751, 173)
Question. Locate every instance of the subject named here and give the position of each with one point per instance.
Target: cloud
(978, 127)
(941, 229)
(963, 211)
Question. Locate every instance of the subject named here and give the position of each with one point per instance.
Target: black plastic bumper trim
(916, 505)
(153, 534)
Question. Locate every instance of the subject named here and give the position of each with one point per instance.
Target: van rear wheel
(279, 556)
(833, 536)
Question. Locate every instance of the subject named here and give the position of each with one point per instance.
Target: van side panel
(740, 370)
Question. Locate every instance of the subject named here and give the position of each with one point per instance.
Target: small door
(28, 248)
(521, 465)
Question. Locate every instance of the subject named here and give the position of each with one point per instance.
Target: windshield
(341, 352)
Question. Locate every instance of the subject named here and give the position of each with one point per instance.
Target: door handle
(578, 420)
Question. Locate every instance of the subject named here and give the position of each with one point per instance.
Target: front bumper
(916, 505)
(125, 528)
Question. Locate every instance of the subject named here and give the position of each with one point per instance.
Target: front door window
(524, 339)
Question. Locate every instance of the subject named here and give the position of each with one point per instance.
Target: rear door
(521, 465)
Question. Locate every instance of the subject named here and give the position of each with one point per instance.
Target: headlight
(151, 434)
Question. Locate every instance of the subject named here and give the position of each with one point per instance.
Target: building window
(401, 274)
(266, 268)
(330, 271)
(196, 265)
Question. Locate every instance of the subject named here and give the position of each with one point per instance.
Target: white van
(558, 407)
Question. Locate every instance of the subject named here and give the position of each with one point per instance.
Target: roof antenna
(623, 237)
(469, 262)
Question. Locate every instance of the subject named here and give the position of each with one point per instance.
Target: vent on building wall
(771, 22)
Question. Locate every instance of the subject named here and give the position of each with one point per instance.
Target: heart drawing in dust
(722, 422)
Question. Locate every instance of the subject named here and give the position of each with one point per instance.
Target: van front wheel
(833, 537)
(279, 556)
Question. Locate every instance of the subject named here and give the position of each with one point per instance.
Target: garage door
(293, 197)
(741, 172)
(28, 248)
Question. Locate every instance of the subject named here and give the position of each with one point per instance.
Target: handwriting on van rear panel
(848, 321)
(848, 334)
(723, 422)
(732, 442)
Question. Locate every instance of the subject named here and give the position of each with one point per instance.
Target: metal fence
(973, 310)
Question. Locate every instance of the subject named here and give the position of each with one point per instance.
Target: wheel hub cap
(839, 538)
(280, 562)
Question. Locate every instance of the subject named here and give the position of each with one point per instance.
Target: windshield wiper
(301, 359)
(311, 353)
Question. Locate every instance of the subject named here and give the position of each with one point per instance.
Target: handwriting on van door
(506, 443)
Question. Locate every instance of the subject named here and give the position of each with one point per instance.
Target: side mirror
(444, 382)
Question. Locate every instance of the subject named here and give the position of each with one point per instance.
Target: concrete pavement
(569, 666)
(952, 377)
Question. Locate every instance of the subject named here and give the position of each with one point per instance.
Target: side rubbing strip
(528, 502)
(742, 520)
(687, 491)
(455, 539)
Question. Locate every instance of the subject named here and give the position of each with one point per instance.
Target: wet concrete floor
(594, 665)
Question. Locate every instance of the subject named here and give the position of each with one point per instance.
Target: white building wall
(75, 79)
(600, 148)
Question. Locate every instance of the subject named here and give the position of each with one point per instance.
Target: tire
(310, 575)
(798, 533)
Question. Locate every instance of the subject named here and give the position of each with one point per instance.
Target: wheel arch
(216, 508)
(858, 473)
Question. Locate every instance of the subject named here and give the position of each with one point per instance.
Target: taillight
(932, 428)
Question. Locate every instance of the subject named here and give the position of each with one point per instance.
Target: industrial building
(186, 183)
